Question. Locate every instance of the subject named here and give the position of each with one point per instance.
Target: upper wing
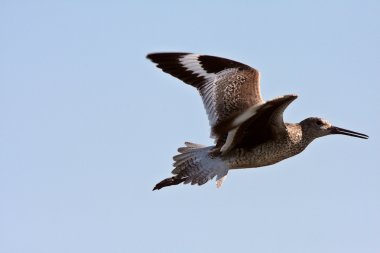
(259, 125)
(227, 87)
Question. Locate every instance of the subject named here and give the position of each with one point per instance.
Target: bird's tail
(194, 165)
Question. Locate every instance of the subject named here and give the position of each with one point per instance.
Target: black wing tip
(151, 56)
(163, 55)
(212, 64)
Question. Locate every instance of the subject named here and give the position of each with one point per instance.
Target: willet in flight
(249, 132)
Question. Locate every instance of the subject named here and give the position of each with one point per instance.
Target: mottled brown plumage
(248, 131)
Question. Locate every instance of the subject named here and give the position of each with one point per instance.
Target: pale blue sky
(88, 126)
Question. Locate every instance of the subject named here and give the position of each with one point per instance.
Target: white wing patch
(236, 123)
(191, 63)
(247, 114)
(208, 90)
(230, 137)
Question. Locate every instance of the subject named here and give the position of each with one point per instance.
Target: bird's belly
(263, 155)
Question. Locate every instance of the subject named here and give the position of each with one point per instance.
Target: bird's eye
(319, 122)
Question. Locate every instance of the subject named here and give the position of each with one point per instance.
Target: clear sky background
(88, 126)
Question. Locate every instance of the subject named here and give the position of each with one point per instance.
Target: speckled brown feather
(234, 86)
(234, 94)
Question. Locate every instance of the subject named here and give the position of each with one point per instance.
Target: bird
(248, 131)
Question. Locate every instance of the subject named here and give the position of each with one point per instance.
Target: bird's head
(317, 127)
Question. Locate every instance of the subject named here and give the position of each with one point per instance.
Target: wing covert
(265, 123)
(227, 87)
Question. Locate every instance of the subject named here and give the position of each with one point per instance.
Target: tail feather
(168, 182)
(189, 147)
(194, 165)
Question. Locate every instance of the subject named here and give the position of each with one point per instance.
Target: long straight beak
(338, 130)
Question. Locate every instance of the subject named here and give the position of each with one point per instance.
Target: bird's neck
(298, 137)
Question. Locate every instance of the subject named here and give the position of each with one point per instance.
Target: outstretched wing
(227, 87)
(257, 125)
